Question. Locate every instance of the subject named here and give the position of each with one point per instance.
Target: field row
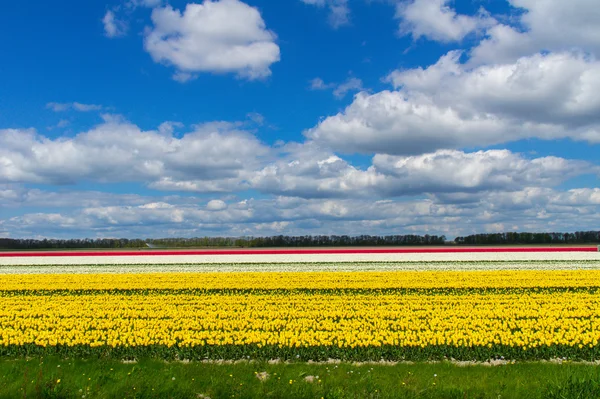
(304, 315)
(302, 267)
(248, 281)
(407, 325)
(297, 258)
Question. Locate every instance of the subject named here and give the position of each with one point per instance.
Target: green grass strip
(74, 378)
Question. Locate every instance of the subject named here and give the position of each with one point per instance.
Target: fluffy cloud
(213, 157)
(435, 20)
(525, 91)
(452, 105)
(543, 25)
(216, 205)
(215, 36)
(537, 25)
(339, 13)
(218, 157)
(308, 172)
(538, 209)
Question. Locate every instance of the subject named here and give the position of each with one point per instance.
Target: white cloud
(308, 171)
(218, 157)
(113, 27)
(339, 12)
(211, 157)
(542, 25)
(536, 25)
(60, 107)
(450, 171)
(215, 36)
(527, 90)
(435, 20)
(451, 105)
(216, 205)
(530, 209)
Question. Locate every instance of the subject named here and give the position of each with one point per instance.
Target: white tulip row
(302, 267)
(299, 258)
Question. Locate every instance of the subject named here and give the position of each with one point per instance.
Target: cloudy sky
(148, 118)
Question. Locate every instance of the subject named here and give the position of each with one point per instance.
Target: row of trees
(580, 237)
(26, 243)
(300, 241)
(225, 242)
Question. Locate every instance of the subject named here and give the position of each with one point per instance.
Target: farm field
(529, 305)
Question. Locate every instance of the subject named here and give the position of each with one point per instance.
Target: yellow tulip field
(393, 315)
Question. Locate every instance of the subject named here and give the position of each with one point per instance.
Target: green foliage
(311, 353)
(575, 387)
(523, 238)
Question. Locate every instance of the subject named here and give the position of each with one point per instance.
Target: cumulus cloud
(535, 25)
(435, 20)
(339, 12)
(218, 157)
(113, 27)
(216, 205)
(213, 157)
(537, 209)
(226, 36)
(310, 172)
(542, 25)
(492, 170)
(452, 105)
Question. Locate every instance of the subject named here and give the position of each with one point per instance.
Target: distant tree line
(75, 243)
(300, 241)
(513, 238)
(579, 237)
(226, 242)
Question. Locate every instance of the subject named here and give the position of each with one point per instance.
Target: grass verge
(53, 377)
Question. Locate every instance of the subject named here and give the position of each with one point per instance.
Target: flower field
(403, 310)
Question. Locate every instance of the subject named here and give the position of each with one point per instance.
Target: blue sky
(147, 118)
